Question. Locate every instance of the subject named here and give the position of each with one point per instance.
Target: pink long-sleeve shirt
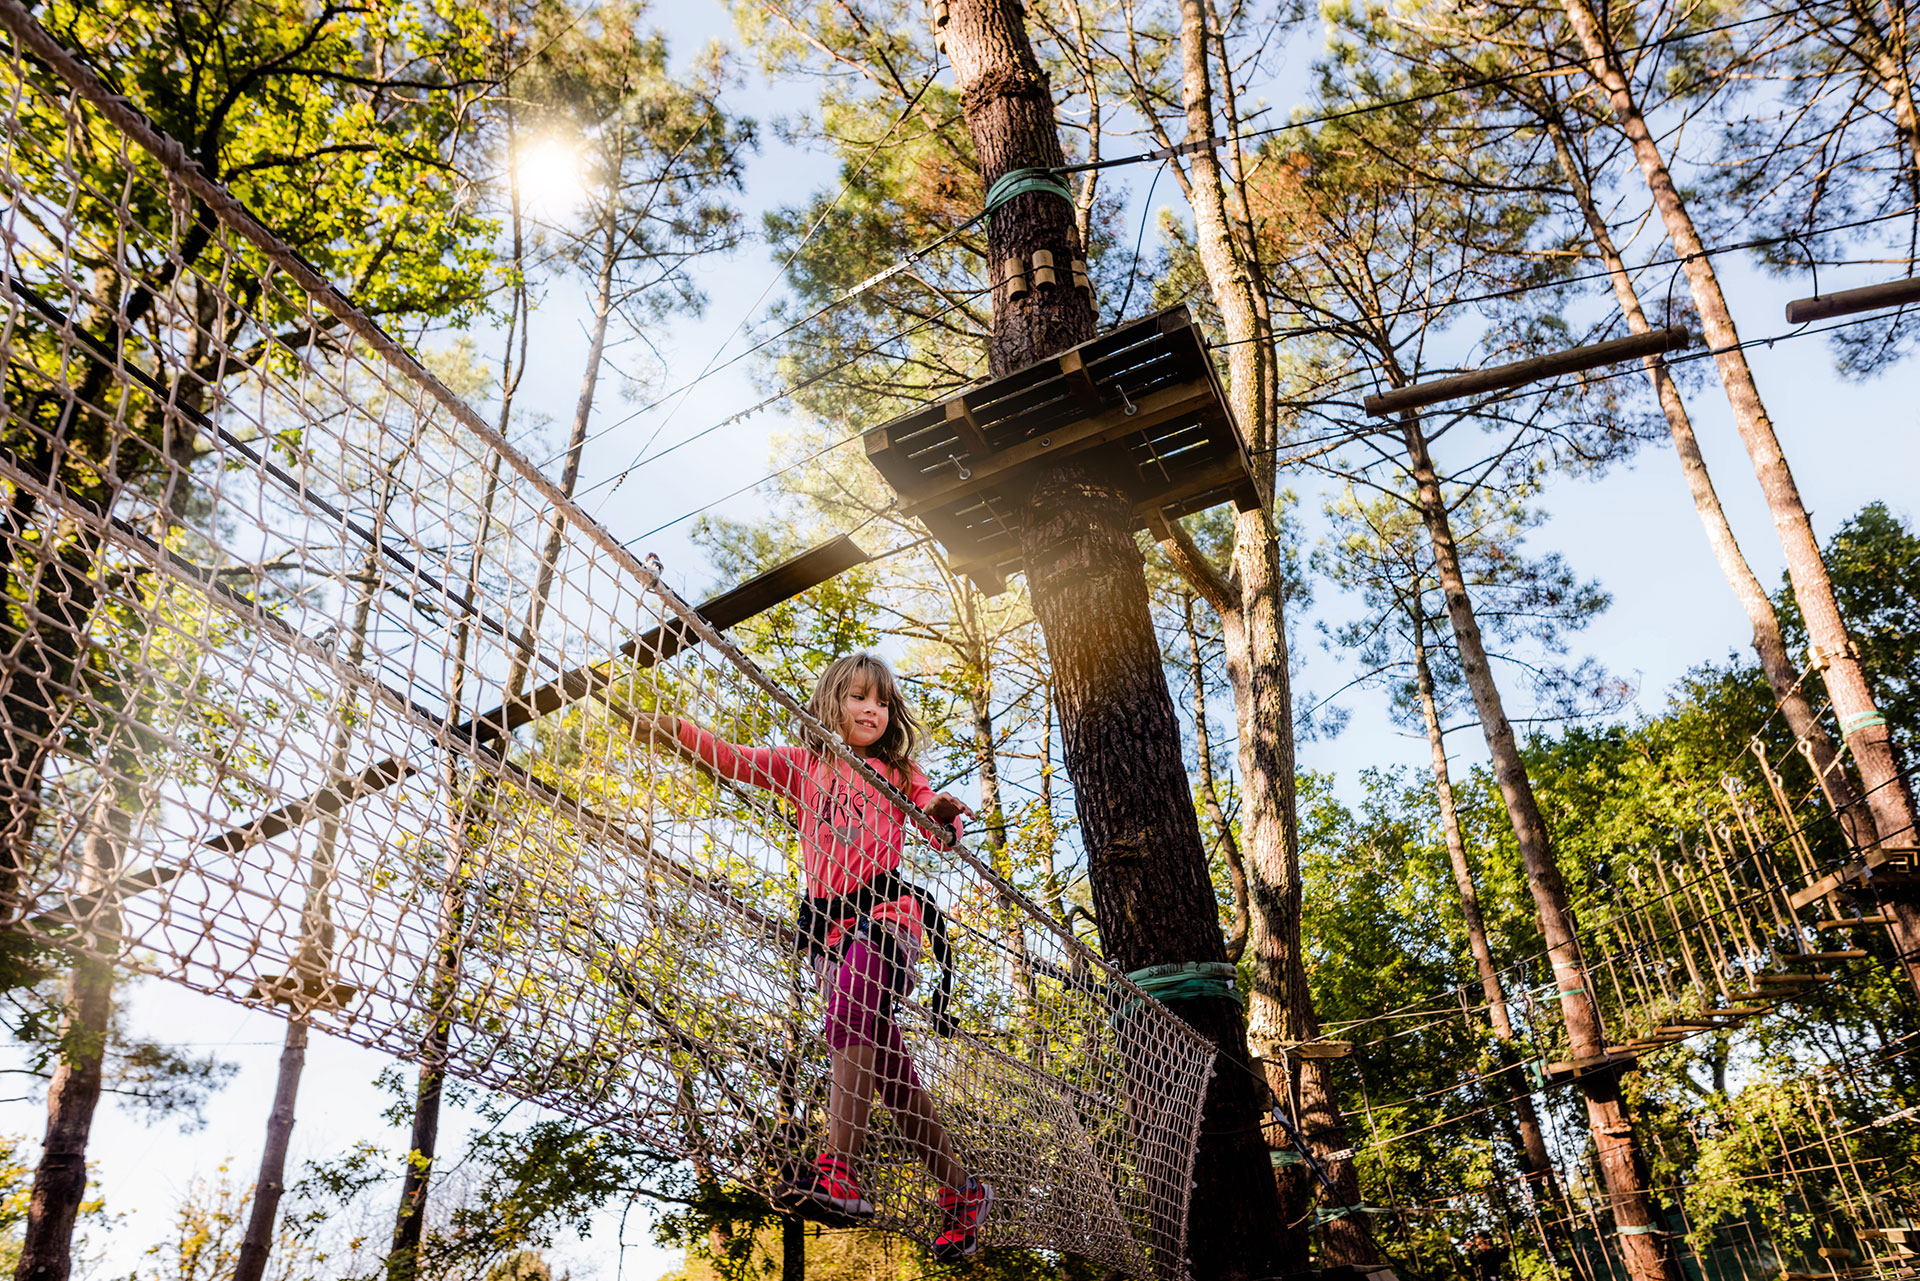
(849, 831)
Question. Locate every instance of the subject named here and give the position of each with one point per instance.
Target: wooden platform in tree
(1616, 1059)
(1142, 404)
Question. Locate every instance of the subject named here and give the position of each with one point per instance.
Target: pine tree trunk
(1534, 1157)
(1768, 643)
(1281, 1003)
(256, 1246)
(314, 962)
(1122, 743)
(1620, 1162)
(1210, 787)
(1861, 724)
(60, 1181)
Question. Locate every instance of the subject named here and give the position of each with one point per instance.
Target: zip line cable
(782, 394)
(846, 185)
(1214, 142)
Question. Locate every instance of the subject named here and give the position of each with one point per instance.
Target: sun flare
(551, 183)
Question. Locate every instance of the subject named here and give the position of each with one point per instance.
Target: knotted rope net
(319, 697)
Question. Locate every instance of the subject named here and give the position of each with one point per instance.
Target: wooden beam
(1073, 367)
(1824, 886)
(961, 419)
(761, 592)
(1894, 293)
(1167, 403)
(1521, 372)
(75, 912)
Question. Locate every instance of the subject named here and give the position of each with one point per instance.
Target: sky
(1633, 530)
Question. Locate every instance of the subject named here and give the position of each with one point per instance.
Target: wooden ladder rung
(1852, 922)
(1820, 958)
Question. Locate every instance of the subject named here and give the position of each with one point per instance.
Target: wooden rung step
(1790, 980)
(1685, 1029)
(1735, 1012)
(1820, 958)
(1852, 922)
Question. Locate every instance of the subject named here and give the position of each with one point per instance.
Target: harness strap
(820, 913)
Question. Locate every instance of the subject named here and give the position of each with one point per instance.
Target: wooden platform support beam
(1521, 372)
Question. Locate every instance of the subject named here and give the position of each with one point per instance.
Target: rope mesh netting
(271, 594)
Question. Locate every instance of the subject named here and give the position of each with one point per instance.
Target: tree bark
(1534, 1157)
(60, 1181)
(1620, 1162)
(1085, 574)
(1861, 724)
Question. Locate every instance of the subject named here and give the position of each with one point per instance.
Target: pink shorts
(856, 987)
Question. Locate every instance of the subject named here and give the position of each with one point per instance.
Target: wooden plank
(1823, 887)
(1065, 442)
(1073, 367)
(1820, 958)
(1852, 922)
(961, 419)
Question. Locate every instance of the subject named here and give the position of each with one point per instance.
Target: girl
(862, 924)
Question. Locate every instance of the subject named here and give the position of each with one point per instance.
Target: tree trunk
(256, 1246)
(1122, 745)
(1210, 787)
(1620, 1163)
(36, 682)
(793, 1249)
(1281, 1004)
(314, 961)
(1861, 724)
(1768, 643)
(1534, 1158)
(576, 442)
(60, 1182)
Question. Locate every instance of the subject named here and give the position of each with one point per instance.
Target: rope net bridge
(319, 697)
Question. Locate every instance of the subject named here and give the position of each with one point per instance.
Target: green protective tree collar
(1859, 721)
(1190, 981)
(1019, 182)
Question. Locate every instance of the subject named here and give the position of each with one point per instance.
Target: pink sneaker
(831, 1184)
(965, 1211)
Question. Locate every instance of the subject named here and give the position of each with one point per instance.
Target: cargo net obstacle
(318, 697)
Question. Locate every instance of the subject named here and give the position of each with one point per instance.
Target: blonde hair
(897, 746)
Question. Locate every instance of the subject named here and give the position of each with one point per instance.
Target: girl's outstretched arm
(769, 767)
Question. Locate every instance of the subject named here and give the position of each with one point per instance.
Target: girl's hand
(946, 808)
(656, 729)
